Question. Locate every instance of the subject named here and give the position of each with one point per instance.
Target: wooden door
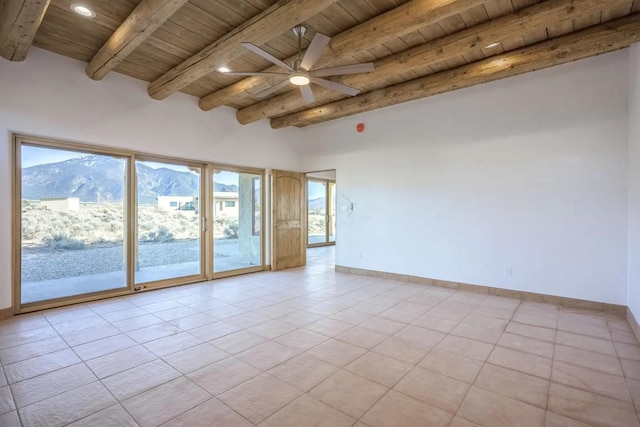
(289, 219)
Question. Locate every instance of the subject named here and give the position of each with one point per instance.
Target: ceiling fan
(300, 73)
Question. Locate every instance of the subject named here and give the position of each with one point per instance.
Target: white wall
(49, 95)
(528, 173)
(634, 182)
(330, 174)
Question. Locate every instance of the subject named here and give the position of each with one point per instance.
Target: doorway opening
(321, 217)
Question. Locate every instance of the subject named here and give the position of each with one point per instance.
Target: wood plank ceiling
(419, 47)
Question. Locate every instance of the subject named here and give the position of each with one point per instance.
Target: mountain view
(100, 179)
(317, 204)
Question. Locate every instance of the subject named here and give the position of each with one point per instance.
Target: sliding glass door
(170, 224)
(237, 220)
(93, 222)
(321, 202)
(73, 223)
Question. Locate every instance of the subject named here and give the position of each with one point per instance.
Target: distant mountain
(101, 178)
(317, 204)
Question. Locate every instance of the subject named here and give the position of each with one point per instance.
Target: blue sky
(316, 190)
(32, 156)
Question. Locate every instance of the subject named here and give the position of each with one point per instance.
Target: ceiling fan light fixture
(83, 10)
(223, 69)
(299, 79)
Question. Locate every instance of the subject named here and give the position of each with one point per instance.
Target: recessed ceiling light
(492, 45)
(83, 10)
(223, 70)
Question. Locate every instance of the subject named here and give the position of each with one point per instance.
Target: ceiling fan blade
(345, 69)
(249, 73)
(347, 90)
(266, 55)
(317, 45)
(307, 94)
(272, 89)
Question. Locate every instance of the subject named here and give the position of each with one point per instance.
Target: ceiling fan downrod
(299, 31)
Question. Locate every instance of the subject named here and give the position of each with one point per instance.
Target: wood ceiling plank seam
(359, 10)
(340, 17)
(161, 58)
(262, 4)
(59, 16)
(207, 8)
(168, 47)
(450, 47)
(513, 44)
(242, 9)
(560, 29)
(413, 39)
(432, 32)
(618, 11)
(264, 26)
(521, 4)
(324, 25)
(535, 36)
(167, 36)
(498, 8)
(187, 38)
(607, 37)
(228, 15)
(452, 24)
(188, 28)
(474, 16)
(381, 6)
(204, 18)
(409, 17)
(380, 51)
(455, 62)
(53, 43)
(475, 55)
(395, 46)
(587, 21)
(64, 33)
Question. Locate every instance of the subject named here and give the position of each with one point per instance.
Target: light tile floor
(312, 347)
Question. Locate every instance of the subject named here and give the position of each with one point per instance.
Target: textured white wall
(49, 95)
(527, 174)
(634, 182)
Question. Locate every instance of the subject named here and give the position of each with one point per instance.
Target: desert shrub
(161, 234)
(316, 224)
(63, 241)
(231, 230)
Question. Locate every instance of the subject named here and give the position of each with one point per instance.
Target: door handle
(204, 224)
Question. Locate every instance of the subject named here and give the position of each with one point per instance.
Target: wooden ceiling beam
(19, 23)
(402, 20)
(272, 22)
(582, 44)
(147, 17)
(501, 29)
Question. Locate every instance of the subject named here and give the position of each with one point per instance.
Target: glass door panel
(73, 223)
(332, 210)
(237, 220)
(317, 212)
(169, 225)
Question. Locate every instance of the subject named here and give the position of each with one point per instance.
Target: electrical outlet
(508, 272)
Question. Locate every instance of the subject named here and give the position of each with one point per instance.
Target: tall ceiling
(418, 48)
